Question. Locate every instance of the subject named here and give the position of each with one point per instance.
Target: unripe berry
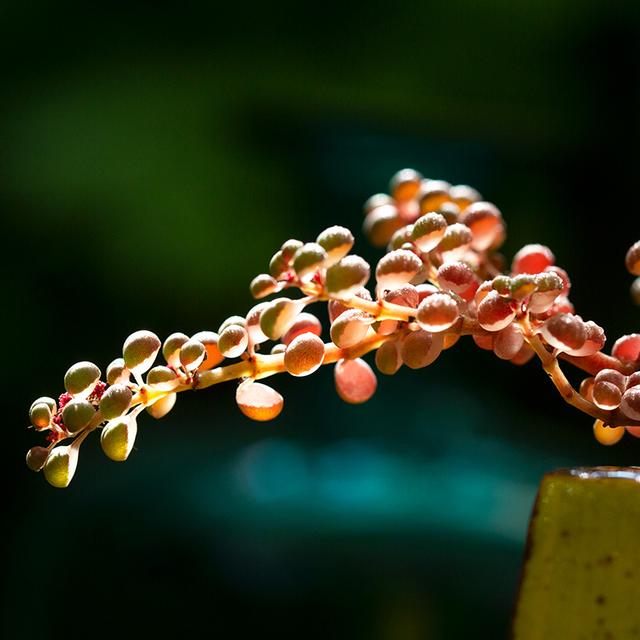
(36, 457)
(263, 285)
(171, 348)
(522, 286)
(304, 355)
(161, 407)
(140, 350)
(81, 379)
(508, 342)
(455, 276)
(118, 437)
(630, 404)
(162, 378)
(549, 286)
(388, 358)
(117, 372)
(420, 348)
(77, 414)
(337, 242)
(350, 328)
(594, 342)
(433, 194)
(485, 222)
(116, 400)
(606, 395)
(457, 238)
(397, 268)
(278, 348)
(308, 259)
(278, 265)
(304, 323)
(355, 381)
(258, 401)
(563, 275)
(278, 316)
(347, 277)
(256, 335)
(289, 249)
(40, 415)
(632, 260)
(494, 312)
(607, 435)
(502, 284)
(192, 354)
(61, 465)
(232, 320)
(428, 231)
(405, 184)
(233, 341)
(381, 223)
(437, 312)
(627, 348)
(564, 332)
(401, 237)
(50, 402)
(532, 258)
(210, 341)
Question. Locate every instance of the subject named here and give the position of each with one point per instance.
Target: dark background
(152, 161)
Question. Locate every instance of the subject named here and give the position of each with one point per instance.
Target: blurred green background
(152, 160)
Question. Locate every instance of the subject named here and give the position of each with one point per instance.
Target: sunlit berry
(77, 414)
(263, 285)
(171, 348)
(522, 286)
(428, 231)
(405, 295)
(607, 435)
(484, 342)
(304, 354)
(81, 379)
(606, 395)
(633, 380)
(420, 348)
(586, 388)
(564, 332)
(381, 223)
(345, 278)
(337, 242)
(433, 194)
(50, 402)
(304, 323)
(210, 341)
(289, 248)
(508, 342)
(405, 184)
(162, 378)
(256, 335)
(425, 290)
(308, 259)
(450, 212)
(455, 276)
(464, 195)
(354, 380)
(630, 404)
(40, 415)
(117, 372)
(376, 200)
(388, 359)
(278, 266)
(238, 320)
(258, 401)
(457, 238)
(548, 287)
(192, 354)
(161, 407)
(36, 457)
(485, 222)
(350, 328)
(495, 312)
(532, 258)
(61, 465)
(118, 437)
(397, 268)
(594, 342)
(401, 237)
(233, 341)
(140, 350)
(277, 317)
(278, 348)
(437, 312)
(563, 275)
(116, 400)
(627, 348)
(632, 259)
(335, 307)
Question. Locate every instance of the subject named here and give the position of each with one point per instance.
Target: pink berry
(533, 258)
(495, 313)
(355, 380)
(438, 312)
(564, 332)
(455, 276)
(627, 348)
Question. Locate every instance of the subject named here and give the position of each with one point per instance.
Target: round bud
(502, 284)
(116, 400)
(278, 266)
(380, 224)
(405, 184)
(171, 348)
(375, 201)
(263, 285)
(522, 286)
(563, 275)
(162, 379)
(457, 238)
(304, 323)
(308, 259)
(627, 348)
(635, 291)
(450, 212)
(532, 258)
(388, 359)
(614, 377)
(233, 341)
(232, 320)
(210, 341)
(117, 372)
(630, 404)
(350, 328)
(455, 276)
(118, 437)
(433, 194)
(494, 312)
(606, 395)
(564, 332)
(140, 350)
(421, 348)
(548, 286)
(594, 342)
(437, 312)
(355, 381)
(77, 414)
(161, 407)
(304, 355)
(607, 435)
(397, 268)
(464, 195)
(401, 237)
(632, 260)
(345, 278)
(508, 342)
(485, 222)
(61, 465)
(289, 249)
(36, 457)
(277, 317)
(40, 415)
(586, 388)
(258, 401)
(337, 242)
(428, 231)
(50, 402)
(81, 379)
(192, 354)
(256, 335)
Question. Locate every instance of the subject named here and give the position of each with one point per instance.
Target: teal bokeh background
(152, 161)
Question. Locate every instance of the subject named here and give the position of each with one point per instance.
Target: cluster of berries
(441, 278)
